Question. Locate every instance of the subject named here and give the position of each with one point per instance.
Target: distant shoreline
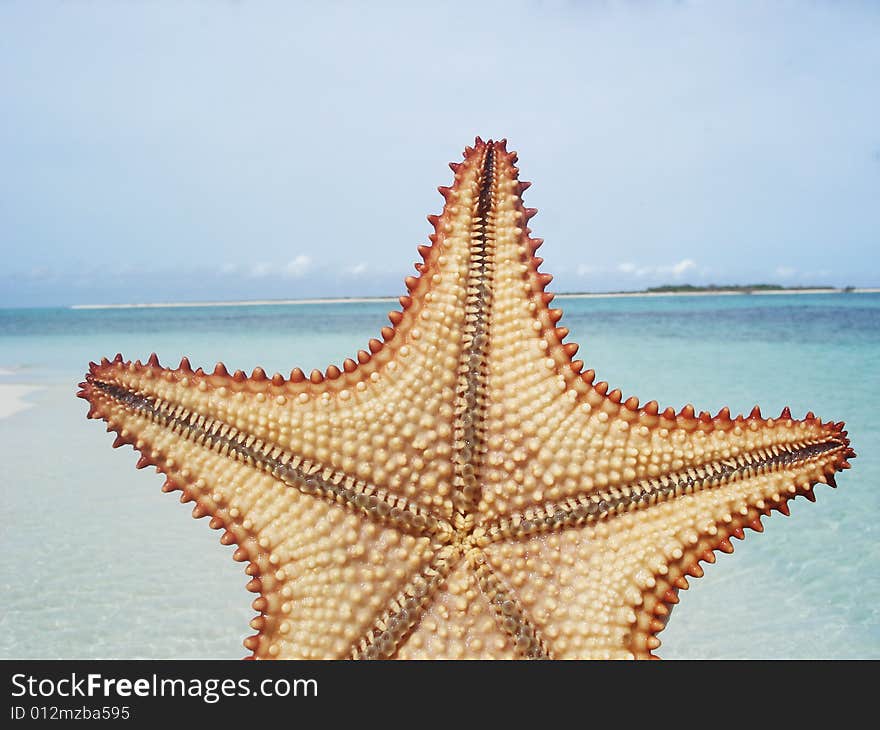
(572, 295)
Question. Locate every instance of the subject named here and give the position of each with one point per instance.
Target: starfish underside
(464, 489)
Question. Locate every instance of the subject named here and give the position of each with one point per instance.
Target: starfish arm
(373, 421)
(603, 587)
(599, 572)
(575, 443)
(460, 622)
(307, 536)
(552, 433)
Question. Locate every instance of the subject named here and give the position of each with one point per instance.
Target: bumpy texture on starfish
(463, 489)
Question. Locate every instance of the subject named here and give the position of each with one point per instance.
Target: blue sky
(172, 151)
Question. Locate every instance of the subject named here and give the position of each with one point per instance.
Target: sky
(191, 151)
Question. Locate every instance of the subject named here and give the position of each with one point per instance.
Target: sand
(13, 398)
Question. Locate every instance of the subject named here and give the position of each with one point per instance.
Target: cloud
(359, 269)
(785, 272)
(294, 269)
(675, 270)
(682, 266)
(261, 269)
(299, 266)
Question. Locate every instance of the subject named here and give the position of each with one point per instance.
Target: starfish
(463, 488)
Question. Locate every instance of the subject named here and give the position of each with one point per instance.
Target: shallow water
(99, 563)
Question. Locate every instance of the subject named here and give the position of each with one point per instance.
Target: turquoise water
(99, 563)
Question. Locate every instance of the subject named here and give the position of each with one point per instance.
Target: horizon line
(697, 291)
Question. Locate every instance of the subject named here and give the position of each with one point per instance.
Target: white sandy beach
(242, 303)
(13, 398)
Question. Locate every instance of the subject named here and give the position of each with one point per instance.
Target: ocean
(99, 563)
